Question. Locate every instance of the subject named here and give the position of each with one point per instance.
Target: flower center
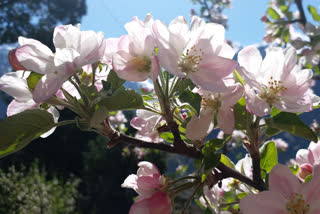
(214, 104)
(270, 93)
(189, 61)
(296, 204)
(142, 64)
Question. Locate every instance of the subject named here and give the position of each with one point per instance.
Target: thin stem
(174, 87)
(167, 84)
(183, 178)
(65, 122)
(190, 199)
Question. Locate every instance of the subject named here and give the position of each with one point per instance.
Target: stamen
(297, 205)
(270, 92)
(188, 62)
(142, 64)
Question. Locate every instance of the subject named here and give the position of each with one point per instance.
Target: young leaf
(19, 130)
(242, 117)
(291, 123)
(115, 81)
(194, 99)
(273, 13)
(314, 13)
(268, 156)
(210, 157)
(225, 160)
(122, 100)
(33, 79)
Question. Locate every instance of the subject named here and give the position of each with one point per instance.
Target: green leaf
(210, 157)
(115, 81)
(314, 13)
(217, 143)
(19, 130)
(225, 160)
(33, 79)
(242, 195)
(308, 178)
(169, 138)
(291, 123)
(207, 211)
(274, 111)
(268, 156)
(185, 84)
(194, 99)
(294, 169)
(122, 100)
(273, 13)
(242, 117)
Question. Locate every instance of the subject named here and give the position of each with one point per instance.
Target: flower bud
(13, 60)
(305, 170)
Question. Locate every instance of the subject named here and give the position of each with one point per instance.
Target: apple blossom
(200, 53)
(286, 194)
(74, 49)
(146, 123)
(135, 59)
(215, 103)
(15, 85)
(275, 81)
(148, 183)
(307, 158)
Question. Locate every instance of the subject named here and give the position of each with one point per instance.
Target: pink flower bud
(13, 60)
(305, 170)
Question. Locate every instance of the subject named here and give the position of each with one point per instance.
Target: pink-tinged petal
(283, 181)
(158, 203)
(254, 104)
(67, 36)
(272, 66)
(302, 156)
(16, 106)
(311, 190)
(216, 68)
(266, 202)
(47, 86)
(213, 31)
(168, 53)
(315, 149)
(233, 95)
(290, 58)
(65, 60)
(14, 62)
(147, 184)
(196, 23)
(294, 104)
(92, 47)
(250, 58)
(146, 168)
(12, 84)
(179, 33)
(125, 67)
(35, 56)
(111, 48)
(130, 182)
(199, 127)
(226, 120)
(224, 50)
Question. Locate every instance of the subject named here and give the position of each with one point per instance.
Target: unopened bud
(14, 62)
(305, 170)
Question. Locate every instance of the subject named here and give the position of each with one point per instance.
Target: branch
(303, 18)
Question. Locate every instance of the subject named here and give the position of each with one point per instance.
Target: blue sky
(110, 16)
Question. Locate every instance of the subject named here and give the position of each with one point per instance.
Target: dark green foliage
(37, 18)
